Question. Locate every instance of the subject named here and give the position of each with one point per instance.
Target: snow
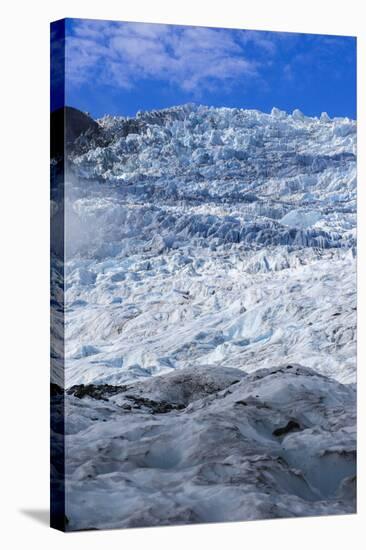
(203, 244)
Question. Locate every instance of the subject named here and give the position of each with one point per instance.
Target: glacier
(209, 304)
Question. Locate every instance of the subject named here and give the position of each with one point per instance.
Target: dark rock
(96, 391)
(159, 407)
(68, 124)
(291, 426)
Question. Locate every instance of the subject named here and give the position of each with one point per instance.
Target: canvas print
(203, 274)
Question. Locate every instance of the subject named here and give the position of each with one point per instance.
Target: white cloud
(193, 58)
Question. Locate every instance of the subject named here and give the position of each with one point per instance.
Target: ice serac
(204, 248)
(210, 235)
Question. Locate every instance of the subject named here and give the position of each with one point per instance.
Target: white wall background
(24, 210)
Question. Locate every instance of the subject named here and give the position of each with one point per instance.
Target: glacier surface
(207, 246)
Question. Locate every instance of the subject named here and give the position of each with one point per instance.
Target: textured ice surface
(202, 239)
(216, 236)
(210, 444)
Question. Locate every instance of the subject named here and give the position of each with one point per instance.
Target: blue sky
(121, 68)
